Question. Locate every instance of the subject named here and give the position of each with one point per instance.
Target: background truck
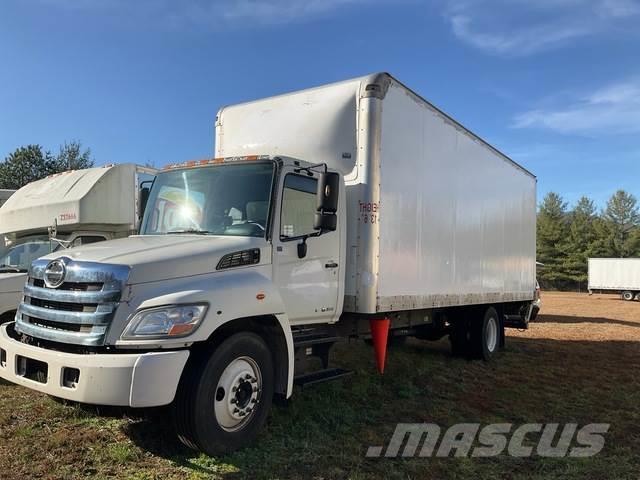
(76, 207)
(615, 275)
(352, 210)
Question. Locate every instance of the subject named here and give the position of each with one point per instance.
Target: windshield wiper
(190, 230)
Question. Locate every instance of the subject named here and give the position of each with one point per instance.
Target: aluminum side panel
(457, 220)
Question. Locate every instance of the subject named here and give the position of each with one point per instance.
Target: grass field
(579, 363)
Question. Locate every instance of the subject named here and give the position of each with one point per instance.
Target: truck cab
(231, 252)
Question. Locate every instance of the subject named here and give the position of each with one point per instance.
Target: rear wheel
(486, 335)
(638, 296)
(223, 401)
(628, 296)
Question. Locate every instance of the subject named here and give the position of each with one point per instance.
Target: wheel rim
(237, 394)
(492, 334)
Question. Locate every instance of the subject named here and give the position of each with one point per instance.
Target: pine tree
(623, 218)
(603, 244)
(581, 241)
(552, 241)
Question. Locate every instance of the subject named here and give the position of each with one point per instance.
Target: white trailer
(615, 275)
(352, 210)
(65, 210)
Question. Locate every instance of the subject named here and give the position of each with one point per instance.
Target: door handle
(331, 265)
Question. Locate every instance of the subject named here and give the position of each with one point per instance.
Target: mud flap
(520, 321)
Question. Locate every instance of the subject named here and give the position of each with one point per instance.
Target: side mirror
(326, 219)
(144, 198)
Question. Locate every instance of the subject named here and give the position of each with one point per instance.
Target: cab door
(308, 285)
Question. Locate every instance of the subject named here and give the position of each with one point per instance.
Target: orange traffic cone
(379, 334)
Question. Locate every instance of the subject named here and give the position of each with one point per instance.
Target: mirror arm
(302, 246)
(311, 168)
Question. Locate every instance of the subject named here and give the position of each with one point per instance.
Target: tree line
(568, 237)
(32, 162)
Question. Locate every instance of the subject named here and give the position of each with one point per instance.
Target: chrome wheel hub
(492, 334)
(238, 393)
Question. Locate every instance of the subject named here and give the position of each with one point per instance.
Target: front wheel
(223, 402)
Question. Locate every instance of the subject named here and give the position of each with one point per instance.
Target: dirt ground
(575, 316)
(579, 363)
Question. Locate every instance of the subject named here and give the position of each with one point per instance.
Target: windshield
(16, 255)
(228, 199)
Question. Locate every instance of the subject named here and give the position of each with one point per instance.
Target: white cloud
(282, 11)
(213, 13)
(523, 27)
(614, 109)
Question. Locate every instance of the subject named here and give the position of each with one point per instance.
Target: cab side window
(298, 206)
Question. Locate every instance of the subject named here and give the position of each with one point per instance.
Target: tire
(459, 339)
(628, 296)
(638, 297)
(486, 335)
(224, 398)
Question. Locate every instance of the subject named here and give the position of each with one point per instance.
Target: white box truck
(65, 210)
(352, 210)
(615, 275)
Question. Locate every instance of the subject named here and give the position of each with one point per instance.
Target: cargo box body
(615, 274)
(436, 217)
(99, 198)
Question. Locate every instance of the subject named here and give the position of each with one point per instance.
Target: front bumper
(134, 380)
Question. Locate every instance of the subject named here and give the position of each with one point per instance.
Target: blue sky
(553, 83)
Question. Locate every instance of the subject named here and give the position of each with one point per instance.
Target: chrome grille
(80, 310)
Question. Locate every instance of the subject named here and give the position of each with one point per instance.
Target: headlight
(170, 321)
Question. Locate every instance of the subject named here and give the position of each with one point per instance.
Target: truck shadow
(155, 434)
(568, 319)
(151, 430)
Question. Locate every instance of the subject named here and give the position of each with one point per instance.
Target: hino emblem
(54, 274)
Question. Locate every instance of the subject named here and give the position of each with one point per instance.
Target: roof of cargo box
(96, 196)
(462, 127)
(376, 85)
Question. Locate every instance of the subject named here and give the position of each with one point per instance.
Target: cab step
(308, 340)
(321, 376)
